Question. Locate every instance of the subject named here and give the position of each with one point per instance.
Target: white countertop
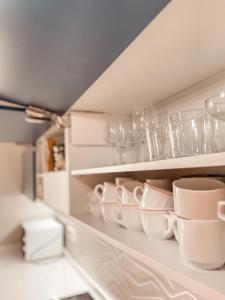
(44, 280)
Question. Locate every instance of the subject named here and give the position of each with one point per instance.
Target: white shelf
(170, 55)
(39, 175)
(206, 160)
(164, 256)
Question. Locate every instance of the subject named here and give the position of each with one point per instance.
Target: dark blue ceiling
(51, 51)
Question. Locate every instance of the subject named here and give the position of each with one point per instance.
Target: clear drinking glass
(162, 141)
(158, 142)
(217, 134)
(157, 134)
(111, 133)
(215, 107)
(188, 133)
(126, 139)
(139, 134)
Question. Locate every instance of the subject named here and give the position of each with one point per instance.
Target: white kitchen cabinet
(177, 62)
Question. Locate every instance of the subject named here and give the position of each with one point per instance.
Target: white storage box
(43, 238)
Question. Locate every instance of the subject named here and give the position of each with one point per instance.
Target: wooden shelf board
(161, 255)
(205, 160)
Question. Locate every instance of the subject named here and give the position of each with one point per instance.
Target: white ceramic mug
(165, 184)
(106, 209)
(202, 242)
(106, 192)
(125, 192)
(197, 198)
(128, 216)
(93, 205)
(154, 198)
(122, 180)
(157, 224)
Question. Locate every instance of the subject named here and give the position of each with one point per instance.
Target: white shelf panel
(164, 256)
(170, 55)
(50, 173)
(206, 160)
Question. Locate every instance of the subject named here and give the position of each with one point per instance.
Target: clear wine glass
(124, 138)
(111, 135)
(215, 106)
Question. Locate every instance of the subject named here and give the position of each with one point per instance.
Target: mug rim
(132, 193)
(199, 191)
(199, 220)
(159, 189)
(108, 182)
(169, 179)
(139, 182)
(129, 205)
(155, 209)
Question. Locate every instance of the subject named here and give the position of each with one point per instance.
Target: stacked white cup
(106, 194)
(198, 226)
(155, 206)
(127, 214)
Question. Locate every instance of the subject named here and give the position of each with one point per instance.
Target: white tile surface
(45, 280)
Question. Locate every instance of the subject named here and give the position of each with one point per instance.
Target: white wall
(14, 206)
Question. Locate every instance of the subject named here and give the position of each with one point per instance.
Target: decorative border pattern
(118, 274)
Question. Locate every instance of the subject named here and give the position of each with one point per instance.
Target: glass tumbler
(162, 140)
(188, 133)
(158, 142)
(111, 135)
(215, 107)
(217, 134)
(139, 134)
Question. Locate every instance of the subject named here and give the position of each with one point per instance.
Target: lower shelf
(164, 256)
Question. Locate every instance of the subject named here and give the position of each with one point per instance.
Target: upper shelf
(206, 160)
(182, 46)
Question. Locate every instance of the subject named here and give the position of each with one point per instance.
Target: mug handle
(135, 193)
(119, 192)
(168, 233)
(96, 191)
(221, 210)
(175, 230)
(115, 213)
